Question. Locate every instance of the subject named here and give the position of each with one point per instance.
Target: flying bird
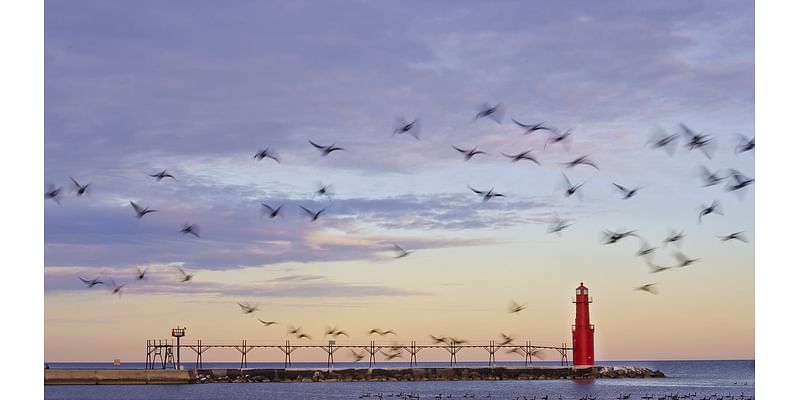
(506, 339)
(649, 288)
(273, 212)
(92, 283)
(141, 212)
(437, 340)
(53, 193)
(581, 160)
(487, 195)
(116, 289)
(140, 273)
(314, 215)
(563, 137)
(714, 207)
(190, 229)
(697, 141)
(304, 336)
(399, 251)
(79, 189)
(392, 355)
(515, 308)
(661, 140)
(267, 323)
(335, 332)
(570, 188)
(325, 150)
(294, 330)
(732, 236)
(745, 144)
(525, 155)
(645, 250)
(378, 331)
(468, 154)
(247, 308)
(532, 127)
(674, 237)
(626, 192)
(266, 153)
(612, 237)
(741, 181)
(710, 179)
(185, 277)
(357, 356)
(324, 190)
(457, 341)
(558, 225)
(161, 175)
(496, 113)
(684, 261)
(412, 128)
(654, 269)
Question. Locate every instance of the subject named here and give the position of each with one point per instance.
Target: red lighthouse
(582, 331)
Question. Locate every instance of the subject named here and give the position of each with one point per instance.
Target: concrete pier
(117, 376)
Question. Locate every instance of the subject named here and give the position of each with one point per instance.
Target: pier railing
(163, 351)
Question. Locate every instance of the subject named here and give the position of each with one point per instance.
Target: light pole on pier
(179, 333)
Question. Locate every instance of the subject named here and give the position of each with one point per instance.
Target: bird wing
(475, 190)
(621, 188)
(459, 150)
(307, 210)
(136, 207)
(315, 145)
(521, 125)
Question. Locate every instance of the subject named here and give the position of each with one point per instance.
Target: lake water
(705, 378)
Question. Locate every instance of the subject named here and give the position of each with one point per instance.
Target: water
(705, 378)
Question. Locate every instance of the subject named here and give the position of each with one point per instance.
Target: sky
(198, 89)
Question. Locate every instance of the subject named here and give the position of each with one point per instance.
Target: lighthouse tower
(582, 331)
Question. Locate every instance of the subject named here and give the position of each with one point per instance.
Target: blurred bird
(468, 154)
(53, 193)
(377, 331)
(697, 141)
(266, 153)
(116, 289)
(273, 212)
(294, 330)
(506, 339)
(324, 190)
(612, 237)
(745, 144)
(563, 137)
(190, 229)
(741, 181)
(79, 189)
(399, 251)
(657, 268)
(710, 179)
(247, 308)
(161, 175)
(714, 207)
(267, 323)
(141, 212)
(581, 160)
(645, 250)
(392, 355)
(525, 155)
(457, 341)
(487, 195)
(496, 113)
(314, 215)
(516, 350)
(437, 340)
(304, 336)
(357, 356)
(92, 283)
(412, 128)
(570, 188)
(649, 288)
(140, 273)
(732, 236)
(515, 308)
(185, 277)
(674, 237)
(661, 140)
(558, 225)
(325, 150)
(684, 261)
(626, 193)
(533, 127)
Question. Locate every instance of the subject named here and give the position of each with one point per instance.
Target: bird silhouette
(266, 153)
(661, 140)
(697, 141)
(116, 289)
(273, 212)
(399, 251)
(531, 128)
(745, 144)
(357, 356)
(412, 128)
(140, 273)
(649, 288)
(645, 250)
(304, 336)
(740, 181)
(558, 225)
(563, 138)
(53, 193)
(267, 323)
(161, 175)
(506, 339)
(654, 269)
(247, 308)
(684, 261)
(294, 330)
(324, 190)
(736, 235)
(392, 355)
(570, 188)
(438, 340)
(185, 277)
(325, 150)
(581, 160)
(487, 195)
(495, 113)
(612, 237)
(710, 179)
(141, 212)
(314, 215)
(714, 207)
(674, 238)
(468, 153)
(515, 308)
(378, 331)
(92, 283)
(627, 193)
(79, 189)
(190, 229)
(525, 155)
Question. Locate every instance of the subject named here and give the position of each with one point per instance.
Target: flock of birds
(733, 181)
